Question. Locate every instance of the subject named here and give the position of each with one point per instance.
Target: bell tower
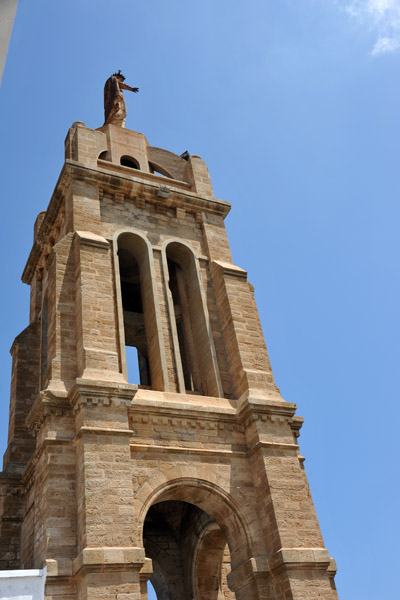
(190, 475)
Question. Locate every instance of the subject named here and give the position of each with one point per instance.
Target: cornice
(122, 181)
(87, 392)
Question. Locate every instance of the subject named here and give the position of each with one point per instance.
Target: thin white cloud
(381, 16)
(385, 45)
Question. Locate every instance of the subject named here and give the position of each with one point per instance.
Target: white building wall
(7, 15)
(22, 585)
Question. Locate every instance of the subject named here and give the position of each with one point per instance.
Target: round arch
(215, 502)
(140, 248)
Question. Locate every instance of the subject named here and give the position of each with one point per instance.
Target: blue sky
(294, 105)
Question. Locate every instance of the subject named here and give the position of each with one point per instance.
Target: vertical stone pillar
(247, 357)
(61, 316)
(96, 327)
(51, 527)
(109, 560)
(24, 389)
(298, 563)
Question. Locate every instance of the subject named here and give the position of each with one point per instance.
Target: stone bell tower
(191, 476)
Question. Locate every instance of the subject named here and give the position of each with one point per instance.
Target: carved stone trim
(47, 404)
(88, 392)
(188, 420)
(253, 409)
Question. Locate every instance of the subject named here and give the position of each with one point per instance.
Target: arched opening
(189, 552)
(151, 593)
(132, 306)
(105, 155)
(195, 353)
(157, 170)
(128, 161)
(139, 321)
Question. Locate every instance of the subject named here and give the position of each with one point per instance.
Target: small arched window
(104, 156)
(128, 161)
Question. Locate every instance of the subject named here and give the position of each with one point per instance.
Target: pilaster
(97, 341)
(248, 359)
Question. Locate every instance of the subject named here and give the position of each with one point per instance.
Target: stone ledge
(103, 431)
(300, 558)
(259, 407)
(153, 449)
(93, 392)
(109, 559)
(244, 573)
(58, 568)
(289, 558)
(92, 239)
(272, 446)
(230, 269)
(174, 404)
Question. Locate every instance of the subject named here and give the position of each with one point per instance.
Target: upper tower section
(127, 154)
(132, 251)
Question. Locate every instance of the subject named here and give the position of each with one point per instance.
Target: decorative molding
(115, 178)
(119, 198)
(92, 393)
(188, 420)
(47, 404)
(140, 202)
(187, 451)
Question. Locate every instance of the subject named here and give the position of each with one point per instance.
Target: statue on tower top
(114, 101)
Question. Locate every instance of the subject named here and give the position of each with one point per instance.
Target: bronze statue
(114, 102)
